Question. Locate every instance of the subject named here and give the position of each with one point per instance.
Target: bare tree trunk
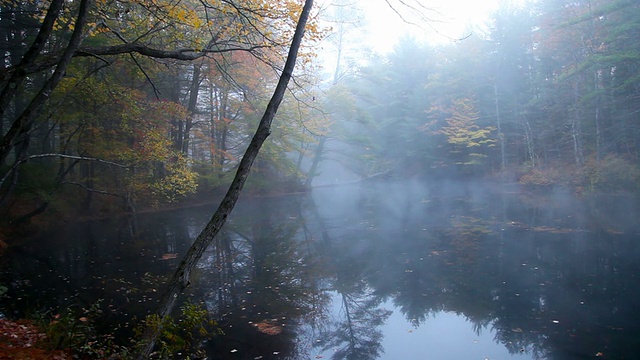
(528, 133)
(316, 161)
(503, 158)
(597, 117)
(576, 129)
(194, 91)
(180, 280)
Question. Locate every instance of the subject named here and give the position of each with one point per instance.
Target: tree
(181, 278)
(468, 140)
(154, 46)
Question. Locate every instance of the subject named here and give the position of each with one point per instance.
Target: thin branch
(77, 158)
(156, 92)
(39, 156)
(103, 192)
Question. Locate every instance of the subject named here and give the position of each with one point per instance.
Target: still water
(378, 270)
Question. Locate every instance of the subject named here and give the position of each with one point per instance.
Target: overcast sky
(443, 20)
(386, 21)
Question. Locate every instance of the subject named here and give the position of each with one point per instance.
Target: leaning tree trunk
(180, 279)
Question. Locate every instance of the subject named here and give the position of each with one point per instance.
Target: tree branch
(101, 192)
(186, 54)
(180, 280)
(64, 156)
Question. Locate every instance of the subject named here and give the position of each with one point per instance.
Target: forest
(128, 105)
(114, 108)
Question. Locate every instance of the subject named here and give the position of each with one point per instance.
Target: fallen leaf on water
(169, 256)
(267, 328)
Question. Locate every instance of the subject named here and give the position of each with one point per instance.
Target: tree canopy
(136, 101)
(114, 104)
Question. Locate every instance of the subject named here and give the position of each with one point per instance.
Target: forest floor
(24, 340)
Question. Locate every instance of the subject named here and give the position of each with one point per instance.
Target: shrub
(539, 178)
(613, 173)
(181, 337)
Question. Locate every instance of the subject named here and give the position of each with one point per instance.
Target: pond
(375, 270)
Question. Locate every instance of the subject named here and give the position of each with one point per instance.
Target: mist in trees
(124, 106)
(147, 111)
(545, 97)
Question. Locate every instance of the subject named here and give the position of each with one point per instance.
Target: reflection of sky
(442, 336)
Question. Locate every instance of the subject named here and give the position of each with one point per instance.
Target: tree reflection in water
(355, 334)
(267, 284)
(312, 275)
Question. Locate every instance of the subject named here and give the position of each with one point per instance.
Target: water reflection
(342, 271)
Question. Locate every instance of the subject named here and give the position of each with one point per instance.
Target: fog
(376, 269)
(435, 184)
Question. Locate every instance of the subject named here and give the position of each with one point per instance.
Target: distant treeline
(550, 95)
(110, 105)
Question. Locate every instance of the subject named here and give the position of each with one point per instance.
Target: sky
(443, 20)
(385, 22)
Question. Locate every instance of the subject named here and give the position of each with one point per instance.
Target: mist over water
(375, 269)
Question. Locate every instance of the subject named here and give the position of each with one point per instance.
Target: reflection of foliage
(466, 234)
(358, 335)
(274, 269)
(264, 281)
(469, 226)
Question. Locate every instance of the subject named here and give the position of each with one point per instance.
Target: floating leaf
(269, 329)
(169, 256)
